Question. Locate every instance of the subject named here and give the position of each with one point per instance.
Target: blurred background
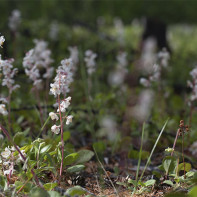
(127, 37)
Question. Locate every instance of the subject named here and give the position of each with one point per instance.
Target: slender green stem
(147, 163)
(183, 153)
(140, 155)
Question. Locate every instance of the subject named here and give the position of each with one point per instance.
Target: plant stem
(9, 112)
(21, 154)
(177, 134)
(62, 133)
(153, 149)
(139, 160)
(183, 153)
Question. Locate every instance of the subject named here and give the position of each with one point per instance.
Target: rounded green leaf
(38, 192)
(75, 168)
(50, 186)
(71, 158)
(77, 190)
(84, 156)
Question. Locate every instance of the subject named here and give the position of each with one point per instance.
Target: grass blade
(153, 149)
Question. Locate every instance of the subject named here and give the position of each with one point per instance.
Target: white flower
(143, 108)
(90, 61)
(55, 90)
(64, 104)
(3, 110)
(145, 82)
(20, 159)
(2, 40)
(74, 55)
(164, 57)
(54, 30)
(69, 119)
(55, 129)
(53, 116)
(36, 59)
(10, 171)
(14, 20)
(6, 154)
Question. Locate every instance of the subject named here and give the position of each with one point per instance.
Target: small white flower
(69, 119)
(55, 129)
(64, 104)
(10, 171)
(2, 40)
(6, 154)
(145, 82)
(90, 61)
(55, 90)
(20, 159)
(3, 110)
(53, 116)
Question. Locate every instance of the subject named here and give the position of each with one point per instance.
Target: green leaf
(71, 158)
(84, 156)
(187, 167)
(193, 192)
(99, 147)
(18, 138)
(77, 190)
(168, 182)
(50, 186)
(150, 182)
(176, 194)
(38, 192)
(134, 154)
(169, 164)
(66, 136)
(190, 174)
(75, 168)
(46, 148)
(131, 181)
(54, 194)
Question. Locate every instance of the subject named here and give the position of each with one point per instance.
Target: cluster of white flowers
(54, 31)
(3, 110)
(37, 59)
(61, 85)
(74, 55)
(148, 55)
(155, 76)
(163, 58)
(8, 160)
(14, 20)
(7, 78)
(119, 27)
(193, 85)
(89, 59)
(109, 126)
(63, 78)
(117, 76)
(8, 74)
(142, 110)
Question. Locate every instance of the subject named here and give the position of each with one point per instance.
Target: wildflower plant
(8, 73)
(155, 75)
(35, 61)
(116, 77)
(61, 87)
